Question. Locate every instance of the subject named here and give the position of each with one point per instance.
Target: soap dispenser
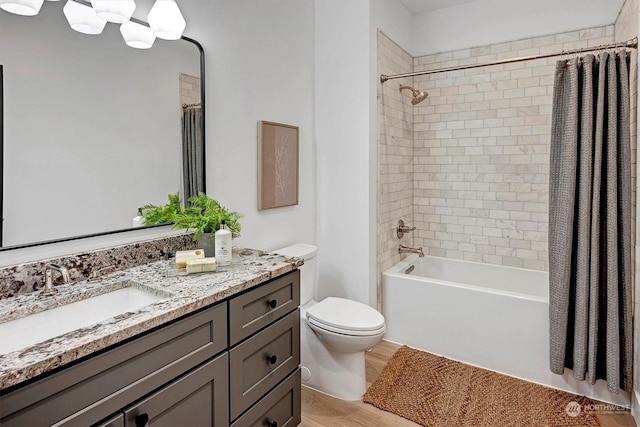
(223, 244)
(138, 220)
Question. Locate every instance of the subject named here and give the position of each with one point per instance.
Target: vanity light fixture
(22, 7)
(91, 16)
(166, 20)
(118, 11)
(83, 18)
(137, 35)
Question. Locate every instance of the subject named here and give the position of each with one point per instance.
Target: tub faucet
(407, 250)
(48, 289)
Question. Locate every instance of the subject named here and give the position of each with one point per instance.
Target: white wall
(393, 18)
(346, 137)
(259, 67)
(493, 21)
(342, 111)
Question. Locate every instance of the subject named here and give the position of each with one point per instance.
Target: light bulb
(82, 18)
(166, 20)
(137, 35)
(118, 11)
(22, 7)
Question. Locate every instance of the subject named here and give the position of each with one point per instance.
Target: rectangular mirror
(92, 128)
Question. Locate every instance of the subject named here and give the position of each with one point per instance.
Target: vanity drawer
(87, 392)
(199, 398)
(253, 310)
(262, 361)
(281, 407)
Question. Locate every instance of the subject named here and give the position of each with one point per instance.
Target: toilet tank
(308, 271)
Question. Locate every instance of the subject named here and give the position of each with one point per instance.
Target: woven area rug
(435, 391)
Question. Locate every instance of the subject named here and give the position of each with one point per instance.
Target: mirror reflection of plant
(201, 214)
(153, 214)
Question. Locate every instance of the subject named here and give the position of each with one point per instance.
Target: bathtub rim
(397, 271)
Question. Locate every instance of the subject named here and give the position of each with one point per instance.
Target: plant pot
(207, 243)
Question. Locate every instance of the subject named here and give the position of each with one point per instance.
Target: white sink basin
(36, 328)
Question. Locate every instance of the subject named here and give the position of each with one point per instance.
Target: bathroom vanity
(221, 349)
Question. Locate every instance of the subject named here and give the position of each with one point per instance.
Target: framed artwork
(277, 165)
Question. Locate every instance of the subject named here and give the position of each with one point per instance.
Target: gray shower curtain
(590, 221)
(192, 152)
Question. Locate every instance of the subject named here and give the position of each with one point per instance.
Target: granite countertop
(184, 294)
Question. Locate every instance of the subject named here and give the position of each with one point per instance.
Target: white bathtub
(485, 315)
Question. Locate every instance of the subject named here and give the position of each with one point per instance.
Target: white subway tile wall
(189, 89)
(480, 150)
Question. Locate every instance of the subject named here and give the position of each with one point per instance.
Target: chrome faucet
(407, 250)
(48, 289)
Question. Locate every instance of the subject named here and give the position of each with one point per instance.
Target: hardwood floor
(320, 410)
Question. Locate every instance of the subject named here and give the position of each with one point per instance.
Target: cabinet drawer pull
(142, 420)
(273, 303)
(272, 359)
(271, 423)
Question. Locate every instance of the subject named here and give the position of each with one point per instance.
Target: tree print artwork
(277, 165)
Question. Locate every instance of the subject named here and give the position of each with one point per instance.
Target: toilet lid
(345, 315)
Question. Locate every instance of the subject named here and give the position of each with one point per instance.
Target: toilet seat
(347, 332)
(346, 317)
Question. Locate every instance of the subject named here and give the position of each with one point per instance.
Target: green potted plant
(202, 214)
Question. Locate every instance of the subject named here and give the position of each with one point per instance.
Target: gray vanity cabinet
(98, 387)
(234, 362)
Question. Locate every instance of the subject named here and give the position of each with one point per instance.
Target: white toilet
(334, 334)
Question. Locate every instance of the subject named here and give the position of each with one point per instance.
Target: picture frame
(278, 162)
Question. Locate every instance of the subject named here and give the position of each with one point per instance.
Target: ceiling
(420, 6)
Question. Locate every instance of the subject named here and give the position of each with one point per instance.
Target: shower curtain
(590, 221)
(192, 152)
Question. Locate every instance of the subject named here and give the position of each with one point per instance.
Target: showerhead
(418, 95)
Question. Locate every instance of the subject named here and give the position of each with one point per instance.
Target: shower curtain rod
(632, 43)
